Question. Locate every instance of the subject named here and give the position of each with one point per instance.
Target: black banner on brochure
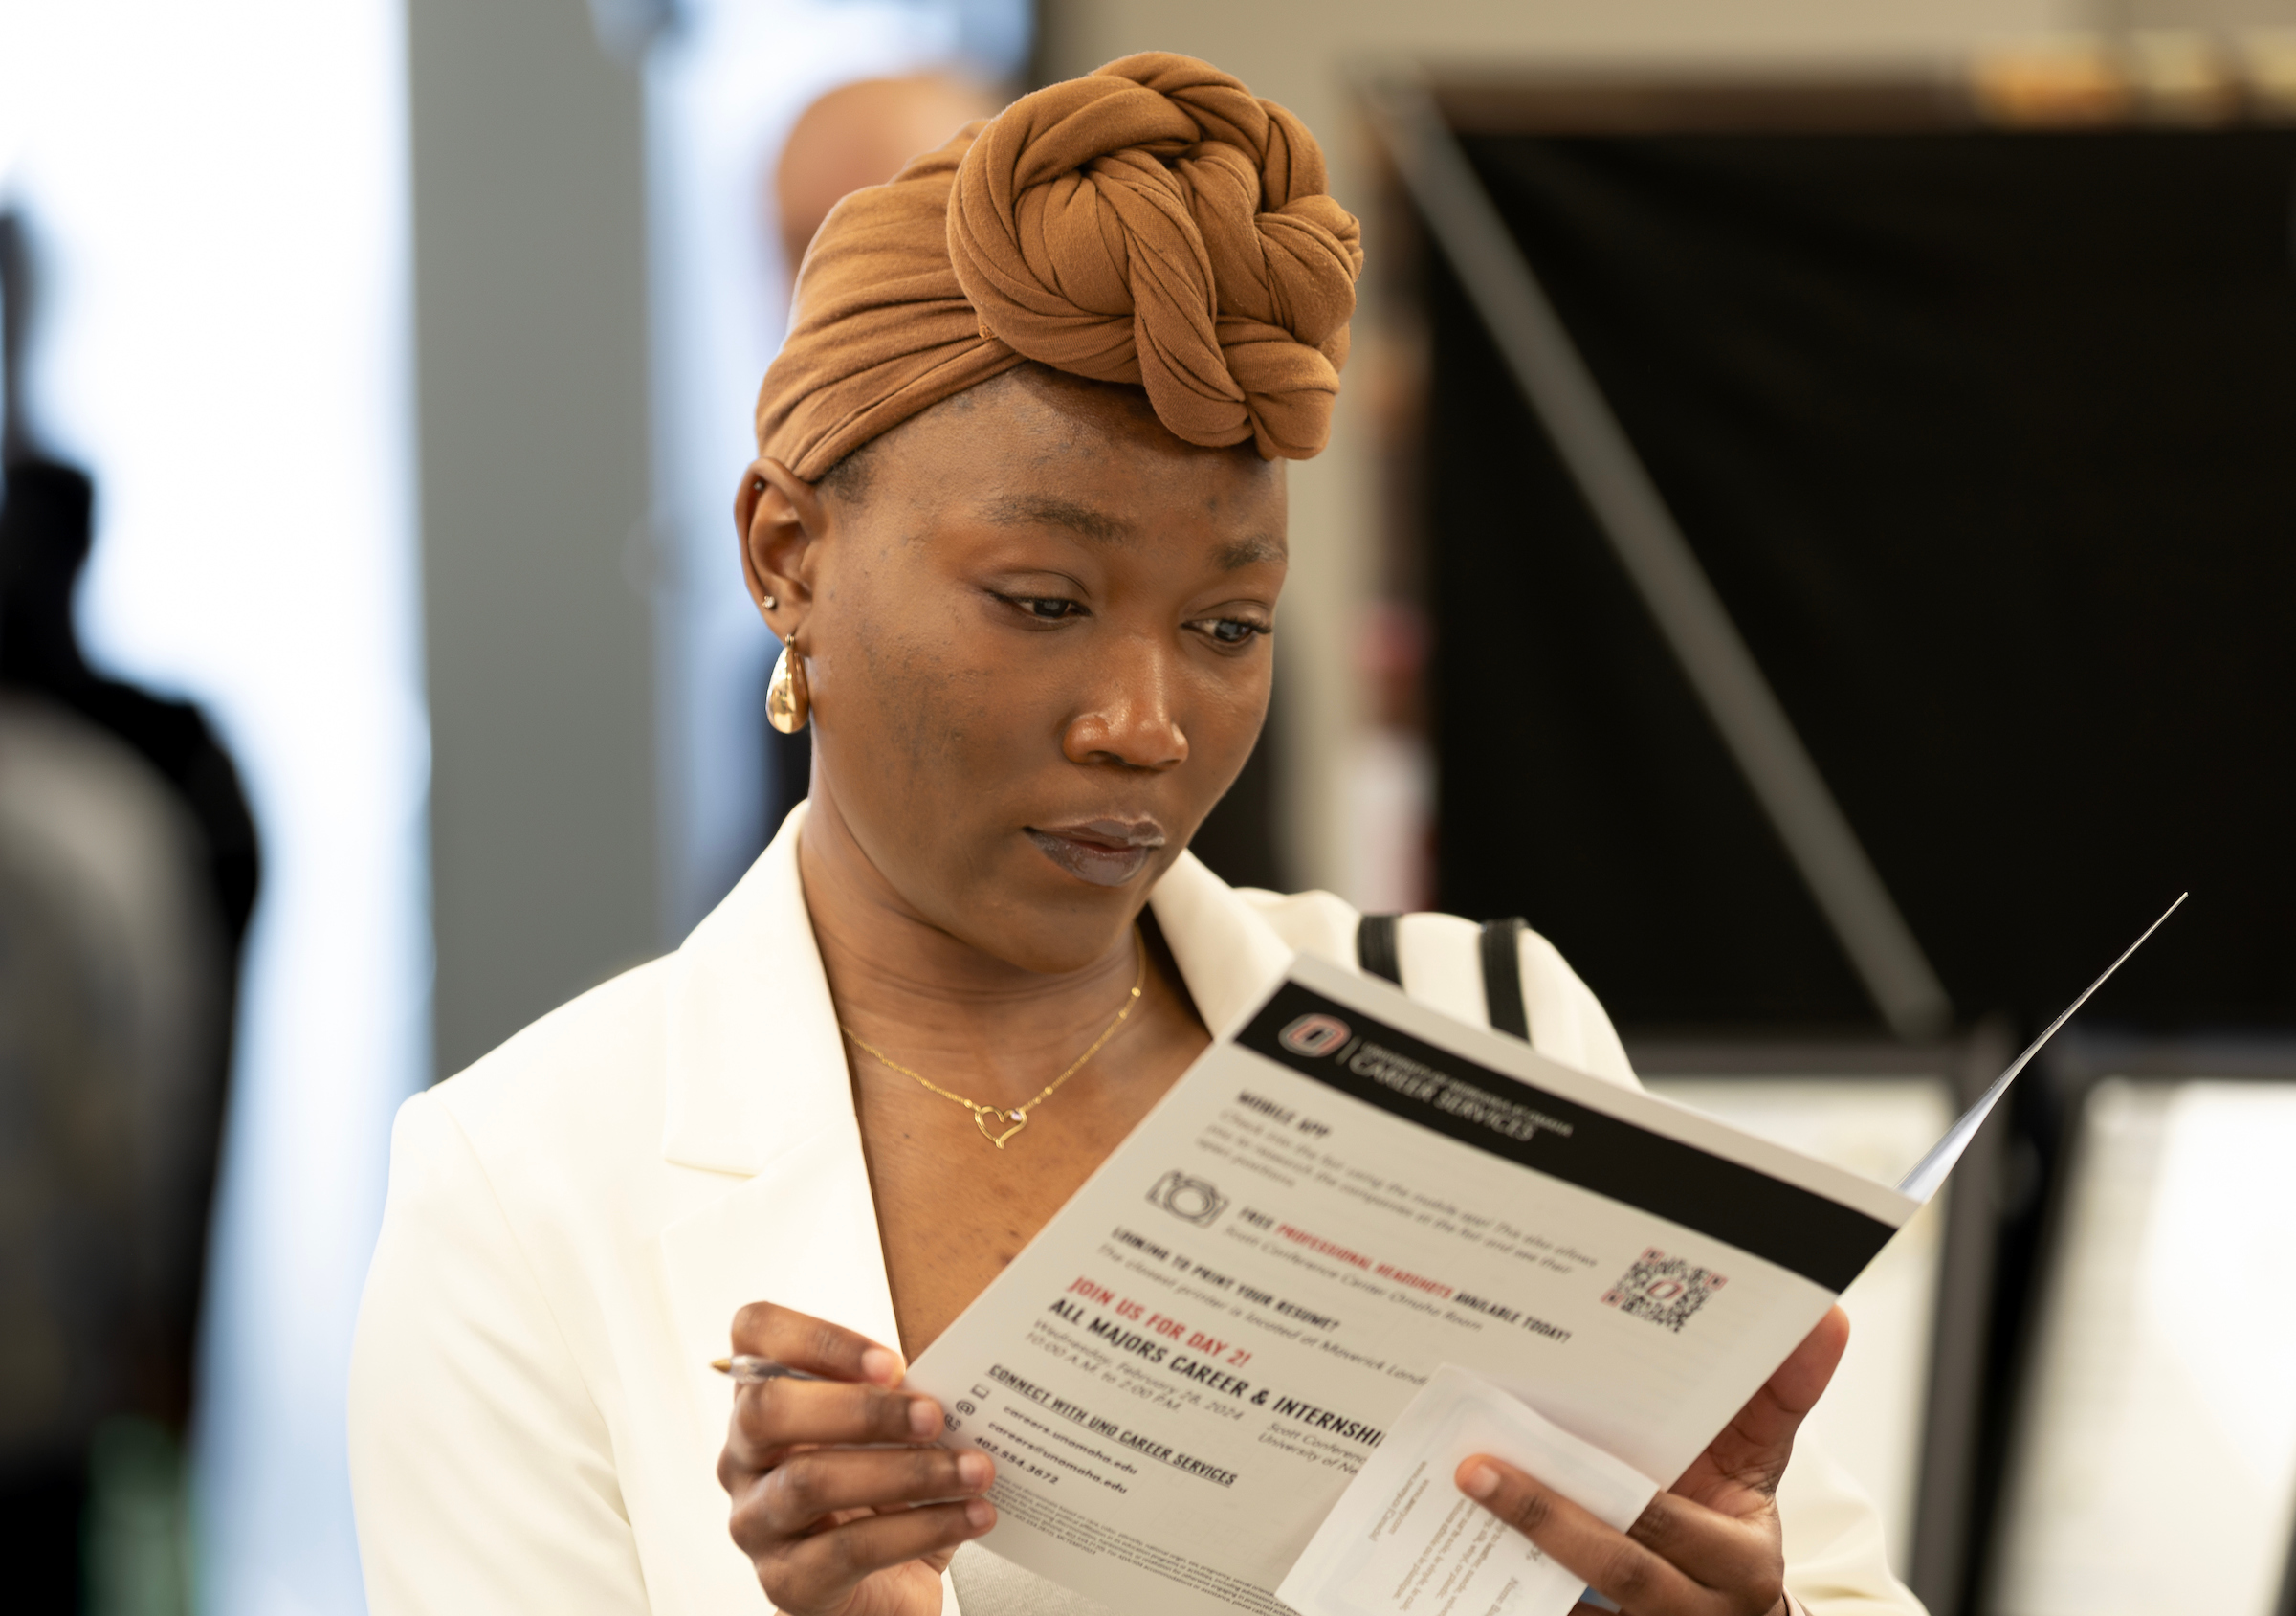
(1797, 1228)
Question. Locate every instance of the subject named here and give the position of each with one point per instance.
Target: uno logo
(1314, 1035)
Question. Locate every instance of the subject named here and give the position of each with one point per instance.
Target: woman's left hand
(1708, 1546)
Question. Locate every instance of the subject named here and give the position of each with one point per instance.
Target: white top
(573, 1222)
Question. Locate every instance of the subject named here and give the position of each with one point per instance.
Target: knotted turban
(1152, 222)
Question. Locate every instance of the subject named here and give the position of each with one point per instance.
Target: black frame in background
(2030, 800)
(1982, 439)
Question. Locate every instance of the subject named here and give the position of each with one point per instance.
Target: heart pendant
(1018, 1119)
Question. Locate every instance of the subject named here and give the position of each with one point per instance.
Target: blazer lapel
(757, 1091)
(754, 1061)
(1228, 956)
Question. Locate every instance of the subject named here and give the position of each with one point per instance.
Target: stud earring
(787, 702)
(769, 602)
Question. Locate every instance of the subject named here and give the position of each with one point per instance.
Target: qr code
(1664, 1289)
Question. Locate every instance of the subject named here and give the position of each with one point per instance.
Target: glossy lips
(1107, 852)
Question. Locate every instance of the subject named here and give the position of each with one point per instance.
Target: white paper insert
(1403, 1540)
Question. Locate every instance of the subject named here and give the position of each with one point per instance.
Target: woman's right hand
(840, 1499)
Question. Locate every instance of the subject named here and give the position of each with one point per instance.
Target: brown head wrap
(1152, 223)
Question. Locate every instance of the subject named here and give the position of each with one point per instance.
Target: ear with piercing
(757, 485)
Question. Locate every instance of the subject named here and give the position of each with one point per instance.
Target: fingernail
(924, 1417)
(881, 1367)
(972, 1470)
(1481, 1482)
(979, 1513)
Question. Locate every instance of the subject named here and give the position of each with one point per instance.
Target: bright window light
(218, 197)
(2157, 1469)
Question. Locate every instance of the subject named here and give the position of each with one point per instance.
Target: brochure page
(1180, 1375)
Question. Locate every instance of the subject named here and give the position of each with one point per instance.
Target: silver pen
(747, 1371)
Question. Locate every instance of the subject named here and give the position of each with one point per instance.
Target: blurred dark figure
(127, 875)
(861, 134)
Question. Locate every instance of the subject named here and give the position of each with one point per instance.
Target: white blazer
(573, 1222)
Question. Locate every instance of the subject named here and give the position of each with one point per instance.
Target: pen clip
(747, 1370)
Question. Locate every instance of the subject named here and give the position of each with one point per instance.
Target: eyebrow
(1244, 552)
(1042, 509)
(1048, 510)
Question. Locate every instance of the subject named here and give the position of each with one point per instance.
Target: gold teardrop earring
(788, 703)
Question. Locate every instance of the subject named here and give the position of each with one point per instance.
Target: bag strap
(1503, 977)
(1499, 954)
(1375, 948)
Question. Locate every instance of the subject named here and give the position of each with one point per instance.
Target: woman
(1019, 518)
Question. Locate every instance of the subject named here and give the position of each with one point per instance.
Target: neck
(934, 1002)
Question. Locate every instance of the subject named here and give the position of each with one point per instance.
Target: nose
(1131, 719)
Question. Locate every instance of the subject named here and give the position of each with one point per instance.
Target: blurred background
(1812, 526)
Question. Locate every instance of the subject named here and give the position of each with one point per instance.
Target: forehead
(1038, 446)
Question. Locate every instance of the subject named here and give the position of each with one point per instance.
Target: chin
(1053, 922)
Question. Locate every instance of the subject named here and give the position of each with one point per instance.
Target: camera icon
(1191, 1199)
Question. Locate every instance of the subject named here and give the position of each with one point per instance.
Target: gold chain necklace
(1017, 1116)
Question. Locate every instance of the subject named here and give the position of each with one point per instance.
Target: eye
(1045, 609)
(1230, 633)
